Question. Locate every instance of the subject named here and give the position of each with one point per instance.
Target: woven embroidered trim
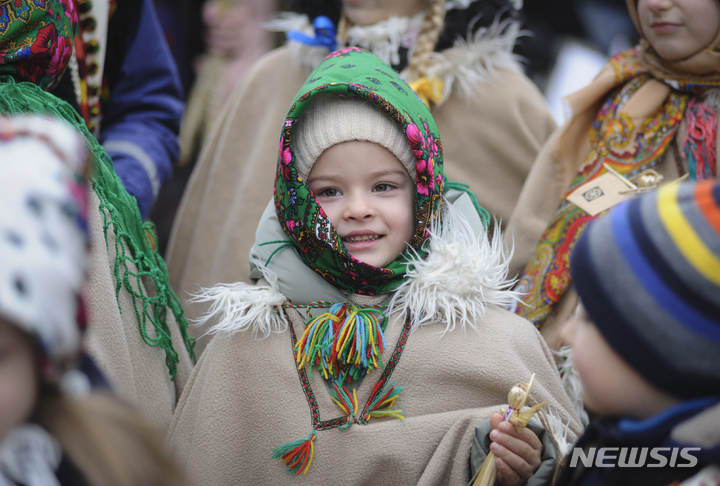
(340, 421)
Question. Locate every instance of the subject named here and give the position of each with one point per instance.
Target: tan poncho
(136, 371)
(489, 142)
(245, 396)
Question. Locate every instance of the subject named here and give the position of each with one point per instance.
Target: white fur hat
(43, 239)
(330, 120)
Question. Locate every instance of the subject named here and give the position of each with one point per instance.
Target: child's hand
(517, 455)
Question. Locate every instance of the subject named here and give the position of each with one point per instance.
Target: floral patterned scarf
(354, 72)
(632, 113)
(35, 48)
(36, 38)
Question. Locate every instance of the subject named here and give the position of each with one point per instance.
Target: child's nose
(358, 207)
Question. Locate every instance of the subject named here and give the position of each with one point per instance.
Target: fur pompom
(470, 63)
(463, 274)
(244, 307)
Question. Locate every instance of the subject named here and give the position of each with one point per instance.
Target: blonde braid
(430, 31)
(343, 30)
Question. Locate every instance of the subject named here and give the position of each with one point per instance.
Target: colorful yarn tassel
(297, 455)
(344, 343)
(348, 404)
(700, 141)
(382, 402)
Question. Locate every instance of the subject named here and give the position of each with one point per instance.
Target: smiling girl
(378, 300)
(493, 119)
(649, 116)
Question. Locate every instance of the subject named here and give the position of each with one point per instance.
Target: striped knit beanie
(648, 275)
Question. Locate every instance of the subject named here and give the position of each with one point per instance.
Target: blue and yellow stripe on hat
(648, 274)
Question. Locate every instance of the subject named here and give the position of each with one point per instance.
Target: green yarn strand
(121, 218)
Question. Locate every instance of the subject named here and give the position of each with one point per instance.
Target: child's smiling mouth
(361, 240)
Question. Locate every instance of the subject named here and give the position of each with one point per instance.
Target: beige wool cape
(457, 366)
(136, 371)
(492, 124)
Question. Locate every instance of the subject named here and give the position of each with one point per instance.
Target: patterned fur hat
(43, 235)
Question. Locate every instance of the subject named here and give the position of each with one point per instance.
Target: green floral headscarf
(36, 39)
(354, 72)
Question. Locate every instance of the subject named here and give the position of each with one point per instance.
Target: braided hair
(439, 31)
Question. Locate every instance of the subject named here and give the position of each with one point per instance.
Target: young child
(650, 115)
(646, 338)
(377, 300)
(493, 119)
(51, 431)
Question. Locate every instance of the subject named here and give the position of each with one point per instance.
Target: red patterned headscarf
(36, 39)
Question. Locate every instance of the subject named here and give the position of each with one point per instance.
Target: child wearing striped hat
(646, 339)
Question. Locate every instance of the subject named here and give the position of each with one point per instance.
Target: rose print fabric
(36, 39)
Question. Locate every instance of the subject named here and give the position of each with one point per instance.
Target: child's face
(369, 12)
(368, 196)
(18, 377)
(678, 29)
(610, 386)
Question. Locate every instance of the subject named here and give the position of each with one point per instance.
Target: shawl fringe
(463, 274)
(244, 307)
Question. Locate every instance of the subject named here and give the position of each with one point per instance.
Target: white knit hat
(330, 120)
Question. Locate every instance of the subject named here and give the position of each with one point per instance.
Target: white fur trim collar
(244, 307)
(472, 62)
(462, 276)
(383, 39)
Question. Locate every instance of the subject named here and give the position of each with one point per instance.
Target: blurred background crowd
(215, 42)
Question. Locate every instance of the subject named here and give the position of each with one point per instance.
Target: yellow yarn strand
(429, 90)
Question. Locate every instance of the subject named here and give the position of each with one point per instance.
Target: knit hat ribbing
(330, 120)
(648, 274)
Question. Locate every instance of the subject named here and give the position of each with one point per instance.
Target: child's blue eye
(329, 192)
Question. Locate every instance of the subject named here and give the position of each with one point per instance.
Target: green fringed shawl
(121, 216)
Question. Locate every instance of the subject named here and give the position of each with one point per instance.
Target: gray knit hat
(330, 120)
